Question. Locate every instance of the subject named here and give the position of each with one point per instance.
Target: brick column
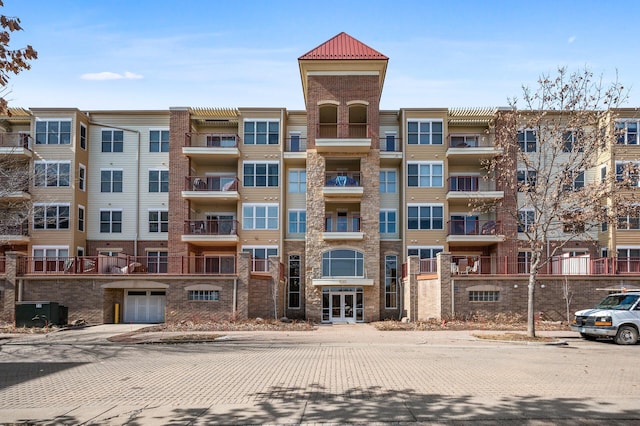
(9, 295)
(443, 261)
(244, 275)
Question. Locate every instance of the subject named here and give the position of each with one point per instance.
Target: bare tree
(552, 151)
(15, 174)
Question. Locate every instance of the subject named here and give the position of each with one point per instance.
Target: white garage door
(146, 306)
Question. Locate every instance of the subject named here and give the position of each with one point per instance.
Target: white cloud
(108, 75)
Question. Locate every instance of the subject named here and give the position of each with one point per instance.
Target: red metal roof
(343, 46)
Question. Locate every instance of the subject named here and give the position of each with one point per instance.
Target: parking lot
(335, 374)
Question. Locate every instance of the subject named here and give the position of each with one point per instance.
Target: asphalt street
(341, 374)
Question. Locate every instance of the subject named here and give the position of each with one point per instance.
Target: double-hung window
(53, 132)
(158, 141)
(425, 216)
(526, 180)
(297, 221)
(110, 221)
(82, 177)
(526, 218)
(110, 180)
(628, 222)
(261, 132)
(388, 181)
(112, 141)
(388, 222)
(425, 174)
(629, 171)
(297, 181)
(51, 216)
(425, 132)
(52, 173)
(158, 221)
(81, 218)
(627, 132)
(572, 141)
(260, 216)
(527, 140)
(158, 180)
(260, 174)
(576, 181)
(83, 136)
(260, 256)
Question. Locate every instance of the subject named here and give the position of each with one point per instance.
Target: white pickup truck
(617, 316)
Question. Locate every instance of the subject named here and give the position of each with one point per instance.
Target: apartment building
(342, 212)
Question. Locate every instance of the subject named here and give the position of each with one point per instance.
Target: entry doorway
(342, 304)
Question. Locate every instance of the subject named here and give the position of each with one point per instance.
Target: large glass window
(425, 174)
(53, 132)
(158, 141)
(52, 173)
(294, 281)
(260, 257)
(111, 221)
(260, 216)
(112, 141)
(261, 132)
(424, 252)
(51, 216)
(426, 132)
(297, 221)
(629, 222)
(391, 282)
(260, 174)
(342, 263)
(388, 181)
(110, 180)
(158, 180)
(425, 216)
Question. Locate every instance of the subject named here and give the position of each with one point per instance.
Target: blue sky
(137, 54)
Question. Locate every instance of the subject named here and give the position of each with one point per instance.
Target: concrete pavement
(336, 374)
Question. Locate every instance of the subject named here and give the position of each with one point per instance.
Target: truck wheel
(626, 335)
(588, 336)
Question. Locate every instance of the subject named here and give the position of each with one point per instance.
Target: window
(388, 222)
(425, 216)
(342, 263)
(629, 222)
(627, 132)
(52, 173)
(424, 252)
(204, 295)
(81, 218)
(260, 257)
(112, 141)
(158, 221)
(391, 282)
(53, 132)
(297, 221)
(484, 296)
(110, 221)
(261, 174)
(157, 262)
(526, 218)
(261, 132)
(577, 181)
(527, 141)
(83, 136)
(158, 141)
(111, 180)
(573, 222)
(389, 142)
(294, 281)
(425, 174)
(464, 141)
(260, 216)
(50, 258)
(220, 265)
(424, 132)
(158, 180)
(297, 180)
(572, 141)
(388, 181)
(526, 180)
(603, 173)
(524, 262)
(82, 177)
(628, 170)
(51, 216)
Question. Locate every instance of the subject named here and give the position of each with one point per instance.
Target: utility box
(40, 314)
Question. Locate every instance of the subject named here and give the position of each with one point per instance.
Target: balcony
(343, 185)
(218, 265)
(211, 188)
(16, 233)
(209, 147)
(472, 231)
(390, 150)
(470, 148)
(343, 227)
(472, 187)
(216, 232)
(346, 137)
(16, 144)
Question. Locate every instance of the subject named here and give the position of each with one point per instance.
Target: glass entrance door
(342, 307)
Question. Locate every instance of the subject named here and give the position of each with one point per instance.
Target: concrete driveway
(335, 374)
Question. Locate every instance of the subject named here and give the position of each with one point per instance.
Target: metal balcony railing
(211, 140)
(15, 140)
(211, 227)
(474, 227)
(343, 131)
(342, 179)
(211, 183)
